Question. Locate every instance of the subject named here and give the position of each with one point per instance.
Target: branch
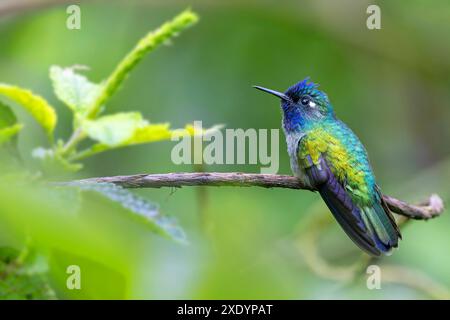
(431, 208)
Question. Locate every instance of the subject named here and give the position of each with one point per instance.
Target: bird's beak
(273, 92)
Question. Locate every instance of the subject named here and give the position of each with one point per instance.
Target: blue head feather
(297, 116)
(307, 87)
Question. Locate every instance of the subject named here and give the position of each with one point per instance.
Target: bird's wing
(371, 227)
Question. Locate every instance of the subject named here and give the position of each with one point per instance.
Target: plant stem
(147, 44)
(74, 139)
(86, 153)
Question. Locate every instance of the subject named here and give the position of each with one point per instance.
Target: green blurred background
(391, 86)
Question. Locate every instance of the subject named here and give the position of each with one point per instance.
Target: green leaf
(37, 106)
(8, 124)
(139, 208)
(113, 130)
(7, 117)
(75, 90)
(6, 134)
(161, 131)
(137, 131)
(150, 133)
(24, 275)
(190, 130)
(147, 44)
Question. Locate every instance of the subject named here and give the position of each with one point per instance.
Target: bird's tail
(372, 228)
(381, 225)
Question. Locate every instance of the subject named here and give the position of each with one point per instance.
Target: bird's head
(302, 103)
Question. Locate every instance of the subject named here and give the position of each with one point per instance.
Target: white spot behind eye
(312, 104)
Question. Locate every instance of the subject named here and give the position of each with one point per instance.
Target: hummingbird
(327, 156)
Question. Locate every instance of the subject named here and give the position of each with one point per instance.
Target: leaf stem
(77, 136)
(86, 153)
(147, 44)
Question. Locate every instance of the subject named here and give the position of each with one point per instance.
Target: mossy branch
(431, 208)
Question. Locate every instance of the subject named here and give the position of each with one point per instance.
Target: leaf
(7, 117)
(141, 132)
(190, 130)
(139, 208)
(150, 133)
(24, 276)
(113, 130)
(125, 129)
(98, 280)
(161, 131)
(8, 125)
(75, 90)
(6, 134)
(147, 44)
(37, 106)
(60, 197)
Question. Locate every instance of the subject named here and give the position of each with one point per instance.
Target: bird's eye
(305, 100)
